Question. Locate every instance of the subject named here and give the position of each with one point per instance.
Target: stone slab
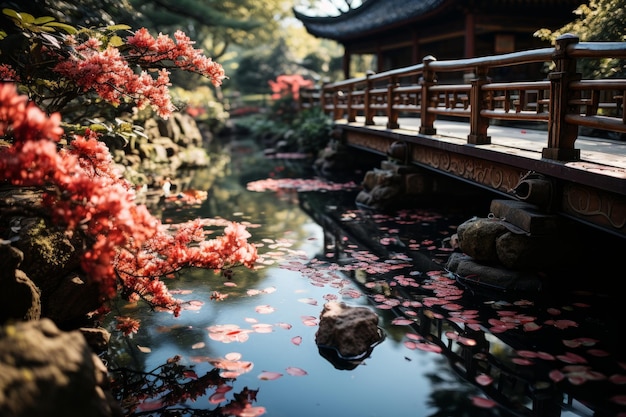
(526, 216)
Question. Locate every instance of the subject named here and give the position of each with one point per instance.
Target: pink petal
(483, 402)
(263, 328)
(556, 375)
(269, 376)
(428, 347)
(264, 309)
(522, 361)
(484, 379)
(410, 345)
(233, 356)
(618, 379)
(217, 398)
(293, 371)
(399, 321)
(296, 340)
(250, 411)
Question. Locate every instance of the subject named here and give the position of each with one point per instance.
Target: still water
(449, 349)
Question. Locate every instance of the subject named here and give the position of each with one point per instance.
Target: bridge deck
(598, 155)
(608, 155)
(591, 190)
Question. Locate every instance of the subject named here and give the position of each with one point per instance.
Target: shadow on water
(450, 348)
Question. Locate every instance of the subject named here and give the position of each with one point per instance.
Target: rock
(352, 331)
(20, 298)
(494, 277)
(47, 372)
(477, 238)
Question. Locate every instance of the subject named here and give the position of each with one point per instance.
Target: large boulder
(351, 331)
(47, 372)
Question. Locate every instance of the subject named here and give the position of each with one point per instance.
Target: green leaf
(43, 19)
(11, 13)
(26, 17)
(69, 29)
(118, 27)
(116, 41)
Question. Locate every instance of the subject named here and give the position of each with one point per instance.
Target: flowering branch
(127, 249)
(59, 63)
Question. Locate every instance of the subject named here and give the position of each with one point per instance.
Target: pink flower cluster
(129, 249)
(289, 85)
(110, 74)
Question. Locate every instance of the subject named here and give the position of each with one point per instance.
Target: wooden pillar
(562, 135)
(470, 35)
(427, 119)
(415, 48)
(346, 62)
(478, 123)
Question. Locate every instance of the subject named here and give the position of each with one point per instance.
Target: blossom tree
(125, 250)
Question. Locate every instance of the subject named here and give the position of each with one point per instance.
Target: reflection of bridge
(472, 349)
(464, 130)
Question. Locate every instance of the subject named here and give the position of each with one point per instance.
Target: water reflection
(449, 350)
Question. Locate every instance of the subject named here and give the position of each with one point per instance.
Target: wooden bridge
(460, 119)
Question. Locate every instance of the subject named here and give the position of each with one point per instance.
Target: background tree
(597, 21)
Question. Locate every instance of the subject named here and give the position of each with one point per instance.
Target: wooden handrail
(562, 100)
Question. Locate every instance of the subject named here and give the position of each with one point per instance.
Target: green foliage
(597, 21)
(312, 129)
(257, 67)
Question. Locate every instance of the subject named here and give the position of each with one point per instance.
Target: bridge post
(351, 111)
(427, 80)
(478, 123)
(367, 100)
(392, 115)
(337, 111)
(562, 135)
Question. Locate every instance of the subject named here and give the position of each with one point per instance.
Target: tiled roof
(372, 15)
(376, 15)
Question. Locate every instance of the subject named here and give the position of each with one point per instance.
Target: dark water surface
(450, 349)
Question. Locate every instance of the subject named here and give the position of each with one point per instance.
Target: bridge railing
(563, 101)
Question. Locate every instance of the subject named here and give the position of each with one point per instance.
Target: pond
(246, 343)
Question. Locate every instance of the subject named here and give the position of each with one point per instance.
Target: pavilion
(400, 33)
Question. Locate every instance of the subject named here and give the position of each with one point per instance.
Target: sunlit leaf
(67, 28)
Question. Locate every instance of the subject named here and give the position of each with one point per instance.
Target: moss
(52, 247)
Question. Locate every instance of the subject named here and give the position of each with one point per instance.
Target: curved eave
(372, 16)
